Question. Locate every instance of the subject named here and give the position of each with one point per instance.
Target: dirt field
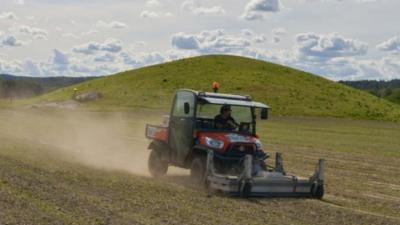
(72, 167)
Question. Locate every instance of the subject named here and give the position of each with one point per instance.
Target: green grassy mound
(287, 91)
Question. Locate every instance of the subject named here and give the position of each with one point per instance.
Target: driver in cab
(224, 120)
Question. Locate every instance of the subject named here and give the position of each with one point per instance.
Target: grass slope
(287, 91)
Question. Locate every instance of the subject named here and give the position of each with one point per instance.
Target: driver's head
(226, 110)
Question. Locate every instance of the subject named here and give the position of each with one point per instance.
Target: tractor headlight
(258, 144)
(214, 143)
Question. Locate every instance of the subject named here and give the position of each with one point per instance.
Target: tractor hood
(221, 141)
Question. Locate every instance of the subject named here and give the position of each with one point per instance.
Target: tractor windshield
(242, 115)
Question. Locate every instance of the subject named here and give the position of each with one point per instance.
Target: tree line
(24, 87)
(19, 89)
(389, 90)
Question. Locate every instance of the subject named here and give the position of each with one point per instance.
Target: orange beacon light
(215, 86)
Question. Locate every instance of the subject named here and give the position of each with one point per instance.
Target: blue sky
(337, 39)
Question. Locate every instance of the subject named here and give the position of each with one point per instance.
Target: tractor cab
(190, 131)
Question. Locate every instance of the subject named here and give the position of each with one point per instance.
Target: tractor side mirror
(264, 113)
(186, 107)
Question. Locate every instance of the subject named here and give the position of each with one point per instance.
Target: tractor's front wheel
(157, 167)
(198, 169)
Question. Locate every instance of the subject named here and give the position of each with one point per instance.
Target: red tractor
(229, 159)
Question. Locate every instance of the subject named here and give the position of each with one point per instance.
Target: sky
(336, 39)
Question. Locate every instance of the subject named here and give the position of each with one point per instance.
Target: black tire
(320, 191)
(157, 167)
(198, 169)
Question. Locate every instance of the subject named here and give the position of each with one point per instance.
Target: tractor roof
(229, 99)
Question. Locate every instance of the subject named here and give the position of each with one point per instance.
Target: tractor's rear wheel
(198, 169)
(157, 167)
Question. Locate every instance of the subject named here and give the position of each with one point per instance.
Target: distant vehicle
(227, 160)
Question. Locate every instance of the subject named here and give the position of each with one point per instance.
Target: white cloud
(392, 45)
(31, 68)
(321, 54)
(153, 3)
(226, 44)
(277, 33)
(8, 15)
(19, 2)
(37, 33)
(70, 35)
(384, 69)
(339, 68)
(348, 68)
(212, 41)
(78, 68)
(11, 41)
(60, 58)
(90, 32)
(175, 54)
(257, 9)
(276, 39)
(260, 39)
(70, 64)
(365, 1)
(151, 58)
(329, 55)
(184, 41)
(107, 57)
(110, 45)
(312, 46)
(149, 14)
(196, 8)
(10, 67)
(247, 32)
(152, 14)
(75, 64)
(57, 65)
(128, 59)
(142, 59)
(390, 68)
(340, 1)
(112, 24)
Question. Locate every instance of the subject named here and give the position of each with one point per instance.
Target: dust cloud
(102, 140)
